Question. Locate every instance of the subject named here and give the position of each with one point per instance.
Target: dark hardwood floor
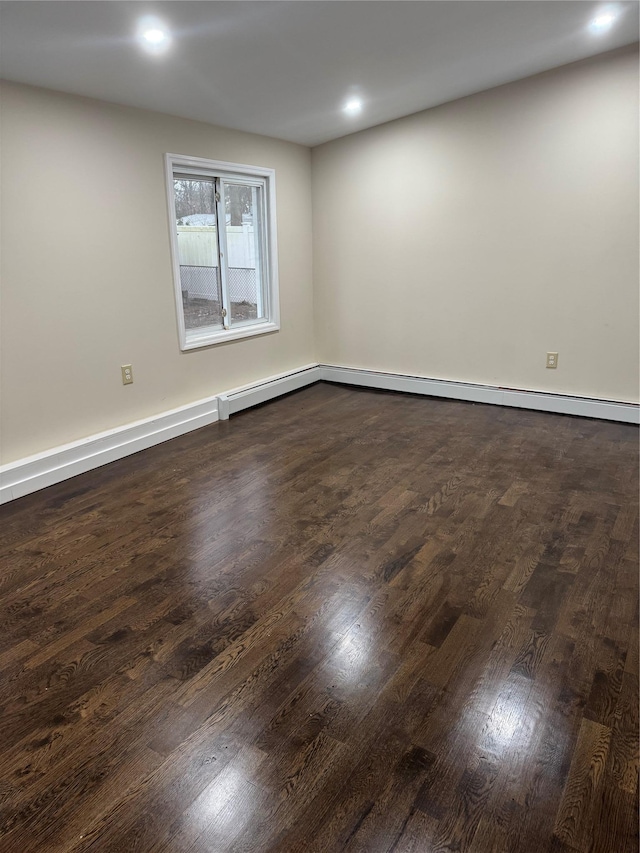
(346, 620)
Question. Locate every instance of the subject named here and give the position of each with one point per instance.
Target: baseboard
(44, 469)
(260, 392)
(60, 463)
(540, 401)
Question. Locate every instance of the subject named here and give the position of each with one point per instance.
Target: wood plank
(574, 821)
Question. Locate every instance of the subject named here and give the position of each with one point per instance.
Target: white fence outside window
(198, 262)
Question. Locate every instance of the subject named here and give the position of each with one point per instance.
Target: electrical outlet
(127, 374)
(552, 360)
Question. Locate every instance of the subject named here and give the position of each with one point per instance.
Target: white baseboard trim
(260, 392)
(60, 463)
(538, 400)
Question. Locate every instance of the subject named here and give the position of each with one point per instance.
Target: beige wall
(460, 243)
(466, 241)
(86, 270)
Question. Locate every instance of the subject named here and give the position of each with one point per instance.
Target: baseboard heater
(261, 392)
(60, 463)
(541, 401)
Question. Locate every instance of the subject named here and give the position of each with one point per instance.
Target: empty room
(320, 353)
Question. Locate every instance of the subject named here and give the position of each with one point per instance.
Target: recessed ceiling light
(353, 106)
(602, 23)
(153, 35)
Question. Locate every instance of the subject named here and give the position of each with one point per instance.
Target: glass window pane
(198, 252)
(243, 209)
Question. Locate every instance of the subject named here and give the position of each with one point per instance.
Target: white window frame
(224, 171)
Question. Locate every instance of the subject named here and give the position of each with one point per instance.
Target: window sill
(205, 338)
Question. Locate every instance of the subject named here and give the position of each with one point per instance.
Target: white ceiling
(284, 69)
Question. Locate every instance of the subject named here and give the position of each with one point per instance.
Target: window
(223, 243)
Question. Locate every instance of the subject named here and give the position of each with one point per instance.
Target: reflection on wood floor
(346, 620)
